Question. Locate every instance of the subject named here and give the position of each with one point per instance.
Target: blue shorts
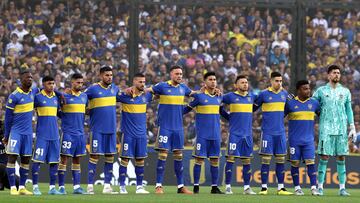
(133, 147)
(102, 143)
(241, 147)
(302, 152)
(19, 144)
(73, 146)
(273, 144)
(207, 148)
(46, 151)
(170, 139)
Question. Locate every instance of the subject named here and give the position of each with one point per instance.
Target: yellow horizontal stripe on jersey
(302, 115)
(47, 111)
(241, 108)
(173, 100)
(134, 108)
(73, 108)
(274, 106)
(23, 108)
(102, 102)
(208, 109)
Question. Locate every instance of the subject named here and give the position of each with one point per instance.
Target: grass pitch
(331, 195)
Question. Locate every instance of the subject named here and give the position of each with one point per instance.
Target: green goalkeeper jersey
(336, 111)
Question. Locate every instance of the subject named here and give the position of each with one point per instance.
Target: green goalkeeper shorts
(333, 145)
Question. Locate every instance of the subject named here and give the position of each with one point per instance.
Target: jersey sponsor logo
(181, 90)
(10, 101)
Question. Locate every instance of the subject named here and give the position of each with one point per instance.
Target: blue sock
(196, 172)
(280, 172)
(35, 172)
(122, 175)
(108, 169)
(246, 174)
(24, 172)
(160, 171)
(295, 175)
(91, 171)
(53, 169)
(178, 167)
(61, 174)
(76, 174)
(10, 170)
(228, 172)
(139, 171)
(264, 173)
(311, 170)
(214, 170)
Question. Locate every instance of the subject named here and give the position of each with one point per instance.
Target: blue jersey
(47, 109)
(171, 104)
(241, 109)
(73, 114)
(301, 115)
(102, 105)
(272, 106)
(207, 119)
(22, 105)
(133, 114)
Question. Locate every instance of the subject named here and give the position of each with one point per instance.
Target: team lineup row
(332, 102)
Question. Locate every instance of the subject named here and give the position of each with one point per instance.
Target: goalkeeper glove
(352, 133)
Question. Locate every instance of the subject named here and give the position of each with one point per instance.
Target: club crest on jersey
(22, 99)
(112, 91)
(219, 100)
(100, 93)
(10, 101)
(237, 99)
(181, 90)
(44, 102)
(169, 90)
(249, 99)
(283, 97)
(32, 97)
(296, 107)
(71, 99)
(55, 102)
(310, 106)
(270, 98)
(83, 99)
(143, 99)
(341, 96)
(206, 101)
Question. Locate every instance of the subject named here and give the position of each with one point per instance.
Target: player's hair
(76, 76)
(105, 69)
(24, 71)
(47, 78)
(175, 67)
(301, 83)
(208, 74)
(332, 67)
(240, 77)
(275, 74)
(139, 75)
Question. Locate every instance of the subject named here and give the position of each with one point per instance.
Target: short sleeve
(11, 102)
(88, 92)
(157, 88)
(120, 97)
(149, 97)
(226, 98)
(187, 90)
(317, 95)
(287, 107)
(195, 101)
(259, 99)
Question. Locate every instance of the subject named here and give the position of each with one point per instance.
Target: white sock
(61, 187)
(106, 185)
(228, 185)
(138, 186)
(51, 187)
(214, 185)
(320, 185)
(180, 186)
(297, 187)
(158, 185)
(20, 187)
(76, 187)
(313, 187)
(342, 186)
(280, 186)
(264, 185)
(246, 187)
(14, 187)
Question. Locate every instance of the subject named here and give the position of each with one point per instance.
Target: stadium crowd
(60, 38)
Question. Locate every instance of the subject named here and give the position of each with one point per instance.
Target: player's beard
(335, 80)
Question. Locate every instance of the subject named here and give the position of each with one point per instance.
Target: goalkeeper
(335, 114)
